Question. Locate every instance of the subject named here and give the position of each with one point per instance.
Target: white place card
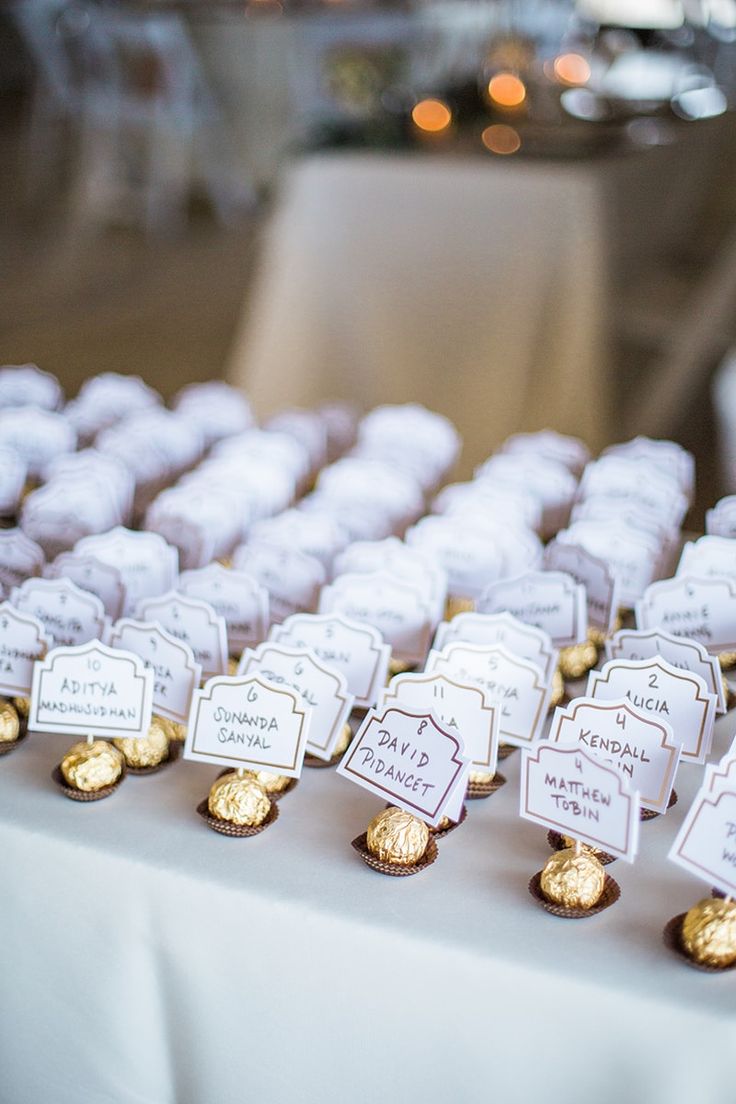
(670, 457)
(688, 655)
(572, 792)
(390, 604)
(720, 776)
(22, 642)
(595, 575)
(706, 843)
(13, 470)
(356, 649)
(550, 600)
(176, 673)
(398, 559)
(20, 558)
(69, 615)
(193, 621)
(91, 690)
(234, 595)
(323, 690)
(708, 556)
(641, 748)
(523, 640)
(632, 555)
(407, 758)
(27, 385)
(468, 558)
(703, 609)
(720, 521)
(514, 685)
(292, 579)
(654, 686)
(91, 574)
(247, 722)
(550, 445)
(147, 564)
(38, 435)
(458, 707)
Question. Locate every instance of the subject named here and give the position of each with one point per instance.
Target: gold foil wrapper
(575, 881)
(271, 783)
(709, 932)
(727, 660)
(558, 689)
(148, 750)
(239, 800)
(232, 665)
(22, 707)
(397, 837)
(9, 723)
(578, 659)
(398, 667)
(480, 778)
(92, 766)
(343, 743)
(455, 605)
(173, 729)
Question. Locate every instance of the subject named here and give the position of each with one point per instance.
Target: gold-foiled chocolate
(174, 730)
(480, 778)
(569, 842)
(558, 689)
(399, 666)
(148, 750)
(92, 766)
(397, 837)
(346, 736)
(578, 659)
(709, 932)
(232, 665)
(455, 605)
(22, 707)
(271, 783)
(9, 723)
(443, 825)
(239, 800)
(727, 660)
(575, 881)
(599, 637)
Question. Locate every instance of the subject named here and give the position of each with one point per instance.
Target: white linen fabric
(147, 960)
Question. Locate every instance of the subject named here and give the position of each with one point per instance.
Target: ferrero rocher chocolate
(271, 783)
(573, 880)
(9, 723)
(599, 637)
(239, 800)
(709, 932)
(558, 689)
(480, 778)
(174, 730)
(92, 766)
(148, 750)
(455, 605)
(399, 666)
(397, 837)
(727, 660)
(232, 666)
(22, 707)
(346, 736)
(443, 825)
(578, 659)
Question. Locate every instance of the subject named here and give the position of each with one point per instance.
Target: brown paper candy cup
(479, 790)
(504, 750)
(10, 745)
(440, 833)
(396, 870)
(649, 814)
(85, 795)
(557, 843)
(672, 938)
(173, 755)
(609, 896)
(227, 828)
(315, 762)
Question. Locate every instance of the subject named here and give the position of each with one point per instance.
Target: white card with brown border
(514, 685)
(570, 791)
(91, 690)
(323, 690)
(702, 609)
(720, 521)
(595, 575)
(176, 673)
(688, 655)
(678, 697)
(247, 722)
(146, 562)
(641, 748)
(462, 708)
(408, 759)
(69, 615)
(234, 595)
(521, 639)
(20, 558)
(193, 621)
(706, 843)
(400, 613)
(550, 600)
(358, 650)
(22, 642)
(91, 574)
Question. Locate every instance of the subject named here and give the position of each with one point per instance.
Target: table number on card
(521, 639)
(568, 790)
(678, 697)
(550, 600)
(22, 642)
(355, 649)
(687, 655)
(176, 673)
(391, 605)
(706, 843)
(93, 690)
(193, 621)
(323, 690)
(91, 574)
(247, 722)
(407, 758)
(460, 708)
(69, 615)
(703, 609)
(600, 583)
(641, 748)
(515, 686)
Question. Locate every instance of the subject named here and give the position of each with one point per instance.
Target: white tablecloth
(147, 960)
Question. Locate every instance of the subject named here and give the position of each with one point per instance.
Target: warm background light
(500, 138)
(572, 69)
(506, 90)
(431, 115)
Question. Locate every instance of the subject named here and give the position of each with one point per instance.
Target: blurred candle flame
(501, 139)
(432, 116)
(506, 90)
(571, 69)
